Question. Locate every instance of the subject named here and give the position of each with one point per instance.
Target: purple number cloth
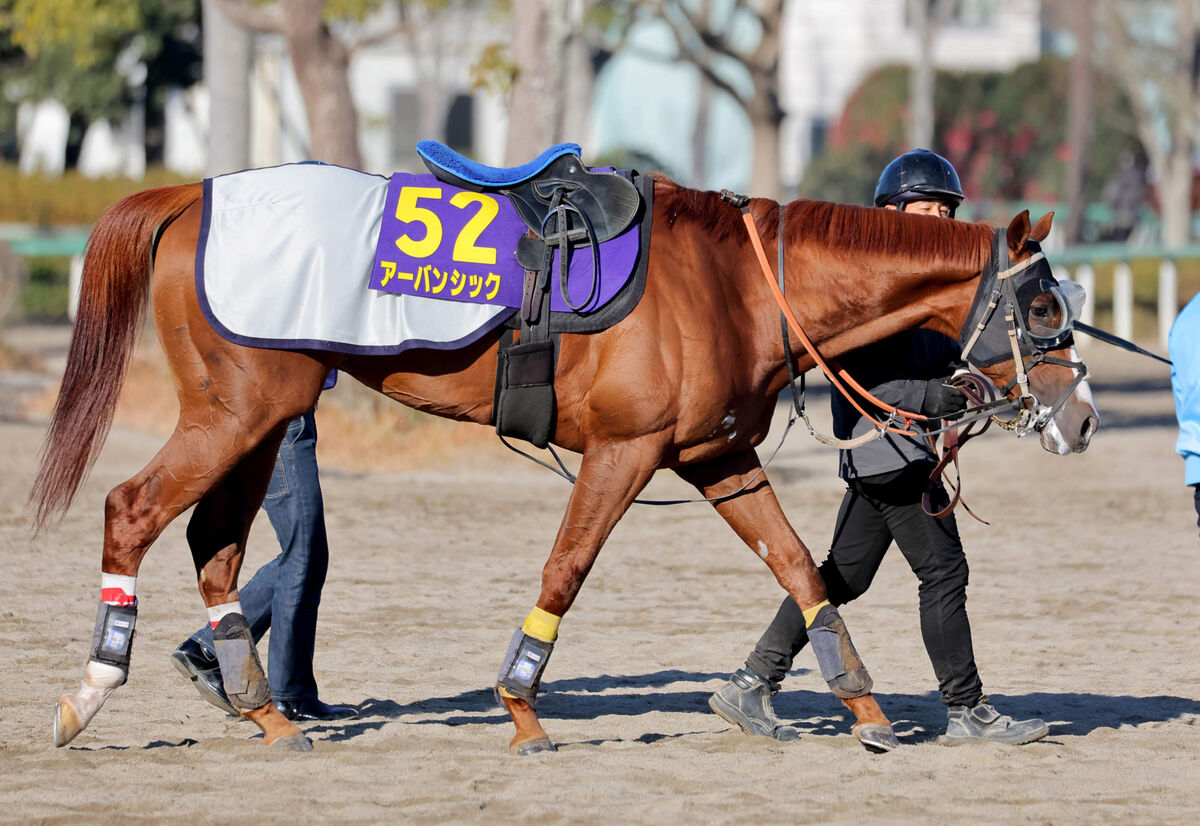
(475, 260)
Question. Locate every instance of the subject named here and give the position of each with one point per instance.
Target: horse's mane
(858, 229)
(874, 231)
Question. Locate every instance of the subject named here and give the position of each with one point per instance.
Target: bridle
(996, 288)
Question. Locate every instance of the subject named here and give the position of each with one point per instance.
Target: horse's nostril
(1088, 428)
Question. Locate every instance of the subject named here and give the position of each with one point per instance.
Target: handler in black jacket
(885, 480)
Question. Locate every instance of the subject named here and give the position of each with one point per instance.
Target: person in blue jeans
(284, 594)
(1183, 344)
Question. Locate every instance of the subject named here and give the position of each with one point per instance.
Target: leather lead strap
(797, 401)
(838, 378)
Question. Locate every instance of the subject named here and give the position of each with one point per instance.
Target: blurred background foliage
(70, 198)
(1005, 133)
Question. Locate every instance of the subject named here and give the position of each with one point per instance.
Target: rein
(1117, 341)
(836, 375)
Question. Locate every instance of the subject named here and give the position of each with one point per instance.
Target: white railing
(1077, 263)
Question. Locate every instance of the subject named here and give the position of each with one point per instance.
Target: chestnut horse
(687, 381)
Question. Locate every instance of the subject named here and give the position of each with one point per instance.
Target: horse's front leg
(610, 478)
(755, 515)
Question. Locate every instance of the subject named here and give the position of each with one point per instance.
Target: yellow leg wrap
(810, 614)
(542, 625)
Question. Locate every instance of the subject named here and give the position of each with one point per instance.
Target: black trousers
(1196, 499)
(872, 515)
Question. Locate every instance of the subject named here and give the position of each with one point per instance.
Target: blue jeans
(285, 593)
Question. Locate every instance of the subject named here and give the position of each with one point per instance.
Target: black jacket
(896, 370)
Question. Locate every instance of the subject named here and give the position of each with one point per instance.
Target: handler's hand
(943, 401)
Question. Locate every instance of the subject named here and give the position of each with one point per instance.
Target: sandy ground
(1083, 600)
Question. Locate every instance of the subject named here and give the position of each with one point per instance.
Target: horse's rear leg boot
(840, 665)
(112, 641)
(241, 671)
(107, 670)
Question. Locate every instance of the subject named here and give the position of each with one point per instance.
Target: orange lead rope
(951, 441)
(838, 376)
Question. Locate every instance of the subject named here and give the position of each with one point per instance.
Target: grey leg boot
(983, 724)
(745, 701)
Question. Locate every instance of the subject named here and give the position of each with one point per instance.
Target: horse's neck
(849, 293)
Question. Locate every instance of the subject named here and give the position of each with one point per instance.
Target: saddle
(565, 206)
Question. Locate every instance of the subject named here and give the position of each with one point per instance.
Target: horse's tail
(112, 305)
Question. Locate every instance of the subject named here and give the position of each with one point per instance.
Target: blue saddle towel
(443, 157)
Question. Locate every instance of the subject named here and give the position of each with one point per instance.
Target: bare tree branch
(1128, 73)
(366, 41)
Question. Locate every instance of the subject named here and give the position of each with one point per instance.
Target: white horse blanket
(285, 257)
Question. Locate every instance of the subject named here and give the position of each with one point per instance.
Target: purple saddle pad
(438, 241)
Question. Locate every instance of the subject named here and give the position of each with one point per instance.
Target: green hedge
(70, 198)
(44, 296)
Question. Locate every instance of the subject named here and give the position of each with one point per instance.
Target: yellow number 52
(465, 249)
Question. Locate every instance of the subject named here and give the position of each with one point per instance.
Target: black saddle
(552, 190)
(566, 206)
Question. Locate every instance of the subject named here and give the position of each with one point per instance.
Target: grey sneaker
(984, 724)
(745, 701)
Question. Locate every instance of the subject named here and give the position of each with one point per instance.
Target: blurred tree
(322, 38)
(712, 37)
(1153, 48)
(321, 63)
(228, 57)
(734, 44)
(550, 76)
(1003, 131)
(926, 18)
(1081, 111)
(100, 57)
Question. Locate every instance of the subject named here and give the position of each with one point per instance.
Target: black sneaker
(983, 724)
(745, 701)
(204, 671)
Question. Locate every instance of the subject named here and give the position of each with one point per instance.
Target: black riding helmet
(919, 175)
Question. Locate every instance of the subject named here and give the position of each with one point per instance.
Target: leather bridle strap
(838, 377)
(977, 390)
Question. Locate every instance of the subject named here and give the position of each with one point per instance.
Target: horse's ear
(1042, 228)
(1018, 233)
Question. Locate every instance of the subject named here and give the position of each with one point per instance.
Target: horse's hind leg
(610, 478)
(755, 515)
(217, 533)
(197, 456)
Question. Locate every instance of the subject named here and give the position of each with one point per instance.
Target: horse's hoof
(876, 737)
(532, 746)
(293, 742)
(67, 724)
